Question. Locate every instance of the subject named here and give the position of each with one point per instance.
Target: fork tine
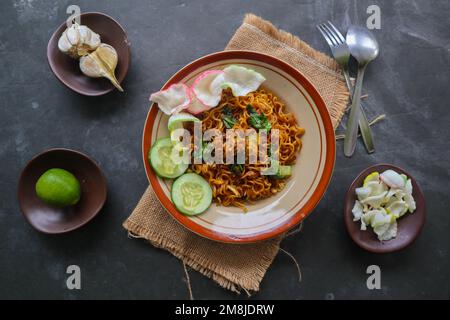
(330, 35)
(324, 35)
(329, 40)
(336, 31)
(331, 32)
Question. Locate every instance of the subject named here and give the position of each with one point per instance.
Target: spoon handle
(364, 126)
(351, 133)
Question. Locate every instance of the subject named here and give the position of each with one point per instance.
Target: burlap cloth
(240, 267)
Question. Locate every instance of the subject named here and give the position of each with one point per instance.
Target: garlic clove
(101, 63)
(90, 66)
(78, 40)
(84, 33)
(63, 43)
(108, 55)
(73, 35)
(91, 39)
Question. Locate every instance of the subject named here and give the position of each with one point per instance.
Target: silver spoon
(364, 48)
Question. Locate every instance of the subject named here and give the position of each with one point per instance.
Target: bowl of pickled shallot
(384, 209)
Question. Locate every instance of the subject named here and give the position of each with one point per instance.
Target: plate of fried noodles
(238, 146)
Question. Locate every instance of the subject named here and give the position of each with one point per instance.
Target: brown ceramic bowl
(67, 70)
(49, 219)
(409, 226)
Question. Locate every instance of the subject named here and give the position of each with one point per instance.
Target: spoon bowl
(362, 44)
(364, 48)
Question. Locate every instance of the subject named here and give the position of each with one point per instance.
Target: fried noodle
(229, 188)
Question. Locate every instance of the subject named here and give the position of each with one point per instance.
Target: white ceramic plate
(311, 174)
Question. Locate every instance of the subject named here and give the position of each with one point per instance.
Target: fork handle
(351, 134)
(364, 127)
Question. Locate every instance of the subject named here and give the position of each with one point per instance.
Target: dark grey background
(409, 82)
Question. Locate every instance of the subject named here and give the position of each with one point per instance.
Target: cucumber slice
(284, 172)
(281, 171)
(161, 161)
(176, 120)
(191, 194)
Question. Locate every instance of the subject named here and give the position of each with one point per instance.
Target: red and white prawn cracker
(207, 89)
(173, 99)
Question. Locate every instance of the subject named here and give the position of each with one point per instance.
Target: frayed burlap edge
(223, 277)
(291, 40)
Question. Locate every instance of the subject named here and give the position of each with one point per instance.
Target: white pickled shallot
(382, 200)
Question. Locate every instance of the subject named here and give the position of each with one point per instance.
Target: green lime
(58, 187)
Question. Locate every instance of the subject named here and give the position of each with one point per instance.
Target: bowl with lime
(61, 190)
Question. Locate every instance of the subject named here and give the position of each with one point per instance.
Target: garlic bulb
(78, 40)
(101, 63)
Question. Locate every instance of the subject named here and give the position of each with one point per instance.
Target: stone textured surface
(409, 82)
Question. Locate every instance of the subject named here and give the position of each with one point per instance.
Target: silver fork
(341, 54)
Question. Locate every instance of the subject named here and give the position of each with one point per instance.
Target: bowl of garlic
(91, 57)
(384, 209)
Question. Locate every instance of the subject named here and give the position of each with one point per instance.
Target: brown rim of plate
(409, 226)
(66, 69)
(93, 197)
(328, 127)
